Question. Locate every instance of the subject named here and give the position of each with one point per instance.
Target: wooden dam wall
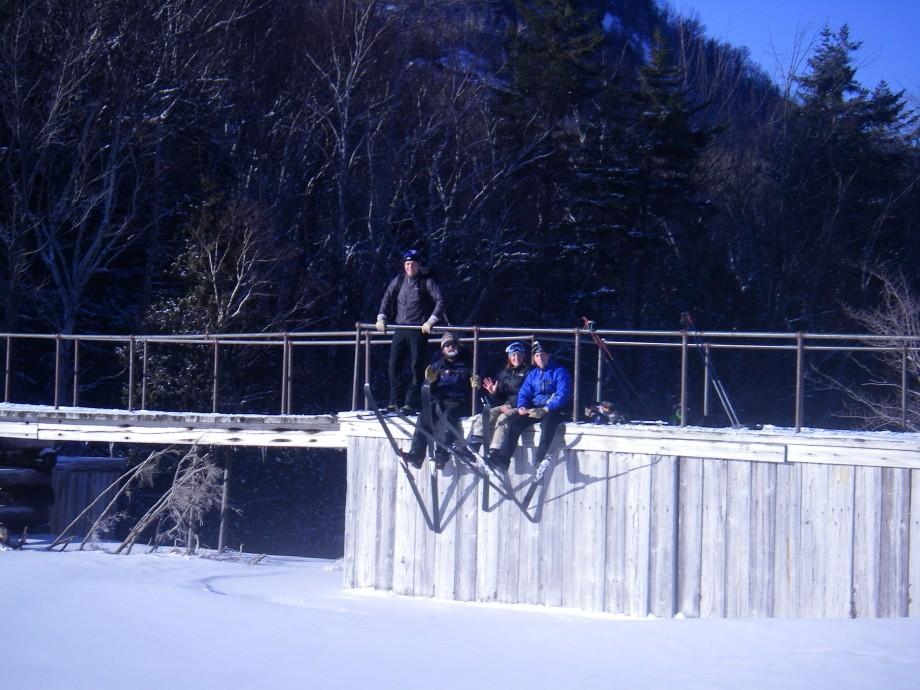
(653, 521)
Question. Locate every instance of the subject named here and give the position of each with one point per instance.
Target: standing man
(544, 397)
(412, 298)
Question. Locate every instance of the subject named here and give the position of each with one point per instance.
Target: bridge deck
(45, 423)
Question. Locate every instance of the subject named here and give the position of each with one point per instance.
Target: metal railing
(365, 338)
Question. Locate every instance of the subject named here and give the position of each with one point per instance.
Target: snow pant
(446, 417)
(518, 423)
(407, 349)
(498, 423)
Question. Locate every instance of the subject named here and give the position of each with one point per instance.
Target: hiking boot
(474, 441)
(392, 407)
(440, 459)
(413, 459)
(408, 411)
(540, 467)
(496, 462)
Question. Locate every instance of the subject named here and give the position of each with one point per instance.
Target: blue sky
(889, 30)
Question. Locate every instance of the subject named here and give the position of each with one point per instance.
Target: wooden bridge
(634, 519)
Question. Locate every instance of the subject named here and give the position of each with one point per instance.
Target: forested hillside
(235, 165)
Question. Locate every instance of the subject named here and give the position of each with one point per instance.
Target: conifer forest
(239, 166)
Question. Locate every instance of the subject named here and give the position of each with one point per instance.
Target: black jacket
(508, 384)
(412, 301)
(453, 382)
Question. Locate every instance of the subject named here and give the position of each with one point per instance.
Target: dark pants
(408, 347)
(519, 423)
(446, 417)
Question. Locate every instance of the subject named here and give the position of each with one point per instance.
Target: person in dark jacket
(412, 298)
(451, 379)
(544, 397)
(503, 393)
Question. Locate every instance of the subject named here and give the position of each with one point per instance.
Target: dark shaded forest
(259, 165)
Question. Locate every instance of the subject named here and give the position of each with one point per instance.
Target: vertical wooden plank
(445, 542)
(763, 520)
(589, 531)
(712, 562)
(867, 538)
(814, 489)
(386, 510)
(619, 466)
(893, 554)
(663, 537)
(788, 519)
(914, 545)
(737, 538)
(637, 500)
(509, 530)
(370, 452)
(837, 551)
(529, 553)
(548, 507)
(467, 518)
(406, 520)
(351, 499)
(487, 528)
(425, 538)
(690, 536)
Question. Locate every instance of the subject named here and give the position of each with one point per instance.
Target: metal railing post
(216, 374)
(598, 393)
(57, 370)
(799, 379)
(367, 364)
(577, 366)
(76, 372)
(357, 368)
(224, 502)
(131, 373)
(284, 373)
(706, 382)
(473, 393)
(904, 388)
(6, 375)
(144, 378)
(290, 379)
(683, 377)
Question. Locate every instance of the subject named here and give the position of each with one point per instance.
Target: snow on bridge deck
(46, 423)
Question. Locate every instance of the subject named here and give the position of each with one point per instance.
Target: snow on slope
(79, 620)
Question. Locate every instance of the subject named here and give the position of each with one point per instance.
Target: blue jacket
(550, 388)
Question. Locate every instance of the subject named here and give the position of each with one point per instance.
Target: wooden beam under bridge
(46, 423)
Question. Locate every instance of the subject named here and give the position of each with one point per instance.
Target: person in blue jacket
(545, 397)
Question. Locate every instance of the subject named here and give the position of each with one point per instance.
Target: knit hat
(537, 347)
(449, 338)
(411, 255)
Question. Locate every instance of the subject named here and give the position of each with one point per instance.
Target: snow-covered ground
(79, 620)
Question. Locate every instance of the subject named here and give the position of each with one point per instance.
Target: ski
(465, 456)
(428, 422)
(399, 454)
(535, 483)
(486, 444)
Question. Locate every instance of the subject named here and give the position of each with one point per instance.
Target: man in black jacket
(412, 298)
(451, 378)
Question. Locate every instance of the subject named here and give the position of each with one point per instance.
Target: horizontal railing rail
(365, 337)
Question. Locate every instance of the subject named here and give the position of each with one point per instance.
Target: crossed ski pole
(694, 333)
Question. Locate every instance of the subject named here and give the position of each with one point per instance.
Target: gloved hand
(426, 327)
(431, 374)
(475, 381)
(538, 412)
(381, 325)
